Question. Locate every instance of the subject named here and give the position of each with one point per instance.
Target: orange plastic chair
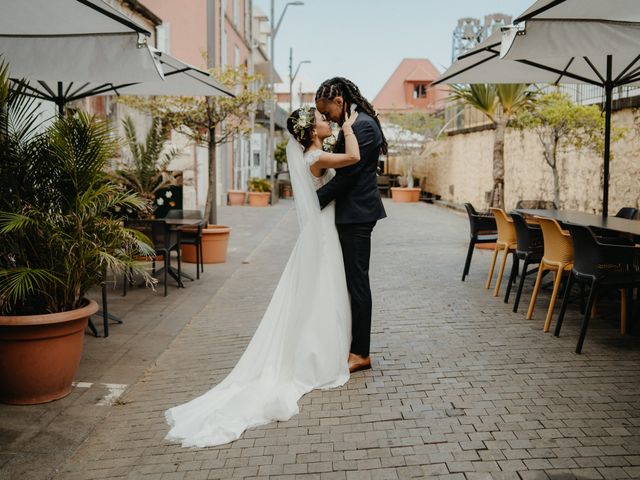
(506, 241)
(557, 257)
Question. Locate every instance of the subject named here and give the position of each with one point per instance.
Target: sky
(365, 40)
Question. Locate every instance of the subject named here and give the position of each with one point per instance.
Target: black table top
(587, 219)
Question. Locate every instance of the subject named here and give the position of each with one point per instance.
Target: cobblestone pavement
(461, 389)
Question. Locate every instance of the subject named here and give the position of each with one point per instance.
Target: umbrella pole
(60, 100)
(608, 88)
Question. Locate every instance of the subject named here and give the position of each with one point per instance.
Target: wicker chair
(506, 241)
(482, 229)
(537, 204)
(558, 257)
(600, 265)
(530, 249)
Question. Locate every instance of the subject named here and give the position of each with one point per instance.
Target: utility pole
(292, 77)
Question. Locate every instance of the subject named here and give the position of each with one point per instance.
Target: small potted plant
(236, 197)
(406, 193)
(259, 192)
(59, 236)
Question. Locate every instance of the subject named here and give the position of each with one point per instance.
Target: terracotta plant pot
(236, 197)
(215, 239)
(259, 199)
(40, 354)
(405, 194)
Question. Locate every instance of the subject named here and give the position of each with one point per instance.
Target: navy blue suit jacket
(354, 188)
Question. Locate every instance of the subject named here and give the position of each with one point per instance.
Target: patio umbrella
(483, 64)
(580, 41)
(180, 79)
(66, 48)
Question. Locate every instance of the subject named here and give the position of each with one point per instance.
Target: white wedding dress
(302, 341)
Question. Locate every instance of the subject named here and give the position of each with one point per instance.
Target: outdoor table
(176, 224)
(614, 224)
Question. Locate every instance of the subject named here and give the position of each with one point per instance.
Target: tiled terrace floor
(461, 389)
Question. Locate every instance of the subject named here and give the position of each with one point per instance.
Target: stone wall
(458, 168)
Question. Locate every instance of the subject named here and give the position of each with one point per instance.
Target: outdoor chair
(384, 184)
(537, 204)
(164, 240)
(104, 311)
(482, 228)
(506, 241)
(529, 249)
(600, 265)
(558, 257)
(629, 213)
(191, 235)
(607, 236)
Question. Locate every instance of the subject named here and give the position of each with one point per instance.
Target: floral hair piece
(305, 120)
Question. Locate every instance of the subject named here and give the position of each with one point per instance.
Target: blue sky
(365, 40)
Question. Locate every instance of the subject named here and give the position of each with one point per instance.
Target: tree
(560, 123)
(499, 103)
(409, 133)
(209, 121)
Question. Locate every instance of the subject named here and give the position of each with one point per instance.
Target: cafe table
(614, 224)
(176, 224)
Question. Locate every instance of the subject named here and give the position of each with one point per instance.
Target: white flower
(160, 201)
(168, 194)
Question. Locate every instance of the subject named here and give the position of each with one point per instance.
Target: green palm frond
(11, 222)
(514, 96)
(480, 96)
(18, 283)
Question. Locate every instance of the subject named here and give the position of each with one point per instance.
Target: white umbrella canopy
(597, 41)
(63, 46)
(180, 79)
(482, 64)
(584, 35)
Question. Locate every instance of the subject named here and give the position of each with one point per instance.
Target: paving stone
(462, 388)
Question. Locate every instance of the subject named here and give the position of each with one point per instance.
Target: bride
(302, 341)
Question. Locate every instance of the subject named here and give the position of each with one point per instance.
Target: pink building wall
(187, 21)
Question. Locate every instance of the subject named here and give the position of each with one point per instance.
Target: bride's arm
(352, 149)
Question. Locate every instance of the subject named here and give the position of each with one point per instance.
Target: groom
(358, 204)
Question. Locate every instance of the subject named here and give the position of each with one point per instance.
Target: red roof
(392, 96)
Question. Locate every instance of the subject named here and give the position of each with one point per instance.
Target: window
(420, 90)
(256, 159)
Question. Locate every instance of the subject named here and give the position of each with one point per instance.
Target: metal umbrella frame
(72, 49)
(598, 42)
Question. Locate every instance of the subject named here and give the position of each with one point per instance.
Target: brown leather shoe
(357, 363)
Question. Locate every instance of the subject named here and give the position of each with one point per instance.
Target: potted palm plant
(59, 236)
(259, 192)
(147, 173)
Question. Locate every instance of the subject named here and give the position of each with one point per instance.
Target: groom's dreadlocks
(341, 87)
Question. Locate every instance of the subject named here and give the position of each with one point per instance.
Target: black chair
(629, 213)
(537, 204)
(599, 265)
(384, 184)
(164, 241)
(191, 235)
(530, 248)
(482, 229)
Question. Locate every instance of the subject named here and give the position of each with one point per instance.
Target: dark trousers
(355, 240)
